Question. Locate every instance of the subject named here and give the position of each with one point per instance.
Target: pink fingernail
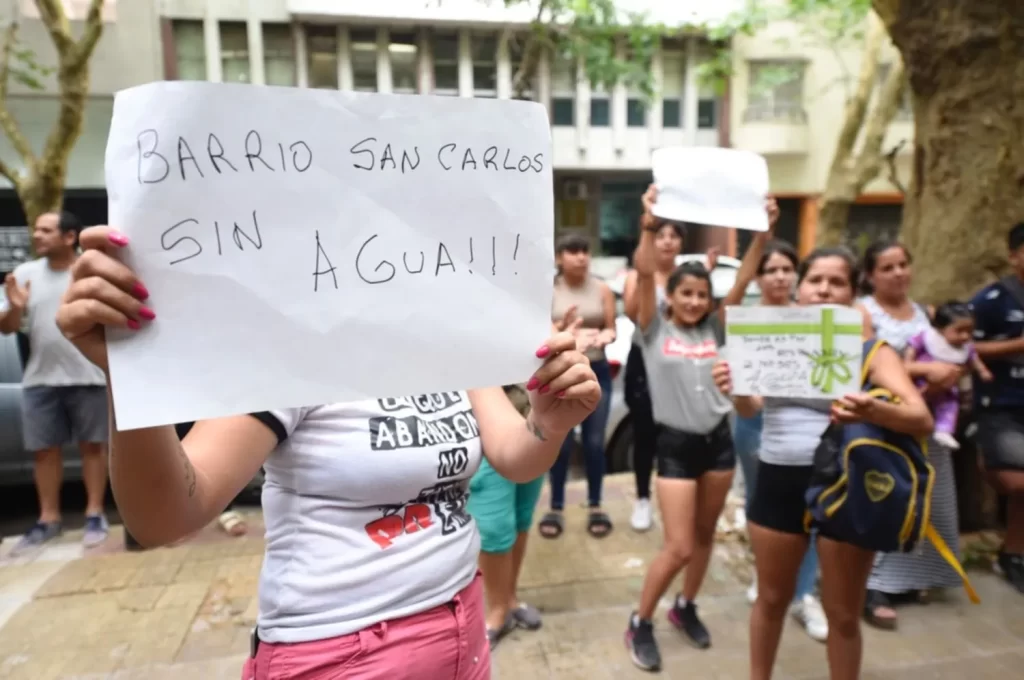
(147, 313)
(134, 325)
(543, 352)
(545, 389)
(561, 394)
(118, 239)
(139, 291)
(532, 384)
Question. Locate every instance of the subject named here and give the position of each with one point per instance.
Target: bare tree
(40, 186)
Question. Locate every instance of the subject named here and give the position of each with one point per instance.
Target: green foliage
(25, 68)
(591, 31)
(826, 22)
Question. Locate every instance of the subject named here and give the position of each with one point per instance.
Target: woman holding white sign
(774, 265)
(371, 558)
(791, 434)
(694, 448)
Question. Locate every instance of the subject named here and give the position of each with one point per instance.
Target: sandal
(599, 524)
(495, 636)
(526, 616)
(873, 604)
(551, 525)
(232, 523)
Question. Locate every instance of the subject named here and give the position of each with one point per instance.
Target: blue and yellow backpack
(872, 487)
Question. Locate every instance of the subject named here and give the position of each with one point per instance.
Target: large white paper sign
(806, 352)
(711, 185)
(306, 246)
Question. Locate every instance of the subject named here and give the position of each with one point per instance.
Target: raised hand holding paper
(310, 246)
(803, 352)
(711, 185)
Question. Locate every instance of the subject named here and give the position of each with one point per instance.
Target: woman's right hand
(103, 292)
(722, 376)
(648, 220)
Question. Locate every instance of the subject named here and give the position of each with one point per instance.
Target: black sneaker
(643, 649)
(685, 619)
(1012, 567)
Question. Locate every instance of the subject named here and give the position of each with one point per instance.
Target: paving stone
(186, 611)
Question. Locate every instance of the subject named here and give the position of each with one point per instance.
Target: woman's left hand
(563, 391)
(853, 408)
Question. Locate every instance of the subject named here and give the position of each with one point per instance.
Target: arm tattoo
(535, 429)
(190, 472)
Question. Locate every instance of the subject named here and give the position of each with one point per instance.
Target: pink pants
(448, 642)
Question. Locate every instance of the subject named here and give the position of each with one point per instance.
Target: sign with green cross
(802, 352)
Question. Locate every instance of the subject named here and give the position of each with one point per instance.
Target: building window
(563, 111)
(636, 112)
(516, 51)
(707, 113)
(363, 51)
(673, 66)
(776, 92)
(446, 63)
(234, 52)
(278, 55)
(484, 51)
(404, 56)
(600, 110)
(189, 50)
(672, 113)
(322, 45)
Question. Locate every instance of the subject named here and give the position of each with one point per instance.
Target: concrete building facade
(471, 48)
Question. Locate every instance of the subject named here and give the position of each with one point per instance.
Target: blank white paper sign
(711, 185)
(308, 246)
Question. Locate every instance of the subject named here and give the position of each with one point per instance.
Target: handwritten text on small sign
(803, 352)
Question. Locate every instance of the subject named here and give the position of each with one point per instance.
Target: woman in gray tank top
(694, 444)
(792, 430)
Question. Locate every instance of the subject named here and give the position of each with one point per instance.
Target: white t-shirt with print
(365, 509)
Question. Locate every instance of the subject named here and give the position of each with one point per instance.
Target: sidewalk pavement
(186, 611)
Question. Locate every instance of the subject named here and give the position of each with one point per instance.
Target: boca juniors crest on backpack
(872, 487)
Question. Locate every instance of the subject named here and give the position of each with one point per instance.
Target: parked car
(15, 462)
(619, 432)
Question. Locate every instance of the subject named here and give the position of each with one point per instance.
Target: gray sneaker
(96, 530)
(40, 533)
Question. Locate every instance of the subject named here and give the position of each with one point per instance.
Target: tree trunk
(965, 59)
(833, 215)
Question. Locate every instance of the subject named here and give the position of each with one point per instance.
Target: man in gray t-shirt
(64, 397)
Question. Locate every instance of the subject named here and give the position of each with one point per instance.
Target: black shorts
(1001, 438)
(779, 497)
(685, 455)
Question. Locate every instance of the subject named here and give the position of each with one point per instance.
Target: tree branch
(890, 161)
(886, 108)
(887, 10)
(7, 122)
(91, 34)
(857, 105)
(52, 14)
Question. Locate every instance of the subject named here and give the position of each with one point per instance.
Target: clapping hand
(17, 296)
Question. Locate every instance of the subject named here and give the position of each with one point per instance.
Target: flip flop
(551, 525)
(599, 524)
(526, 616)
(232, 523)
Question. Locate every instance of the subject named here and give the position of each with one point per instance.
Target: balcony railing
(775, 112)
